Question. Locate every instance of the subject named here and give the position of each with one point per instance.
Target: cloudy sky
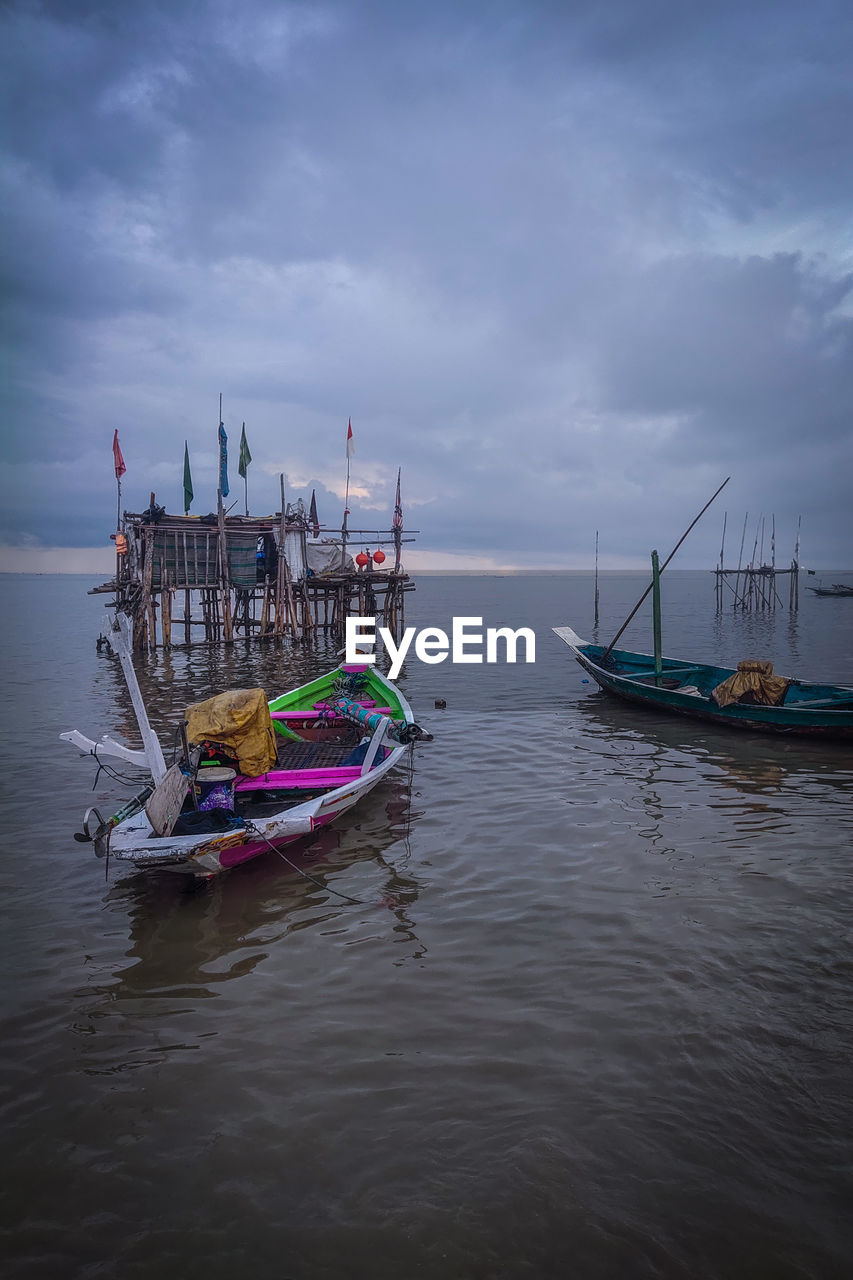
(570, 264)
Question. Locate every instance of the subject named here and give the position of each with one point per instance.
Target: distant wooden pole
(595, 613)
(796, 574)
(609, 648)
(722, 564)
(740, 558)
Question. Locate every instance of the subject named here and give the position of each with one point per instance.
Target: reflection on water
(685, 789)
(757, 761)
(187, 937)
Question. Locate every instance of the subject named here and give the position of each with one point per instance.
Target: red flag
(117, 458)
(350, 441)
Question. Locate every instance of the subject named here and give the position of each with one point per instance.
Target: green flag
(188, 481)
(245, 456)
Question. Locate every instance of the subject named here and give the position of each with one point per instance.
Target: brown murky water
(592, 1016)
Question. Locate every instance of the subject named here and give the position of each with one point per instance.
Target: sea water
(589, 1017)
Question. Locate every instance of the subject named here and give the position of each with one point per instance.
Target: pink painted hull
(234, 857)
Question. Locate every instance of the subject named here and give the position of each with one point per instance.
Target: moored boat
(255, 775)
(837, 589)
(751, 697)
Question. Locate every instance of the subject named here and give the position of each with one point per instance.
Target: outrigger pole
(122, 639)
(609, 648)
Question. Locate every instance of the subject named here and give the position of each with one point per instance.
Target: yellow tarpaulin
(752, 682)
(239, 719)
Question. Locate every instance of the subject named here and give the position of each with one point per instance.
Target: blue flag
(223, 461)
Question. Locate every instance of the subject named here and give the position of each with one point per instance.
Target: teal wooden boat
(687, 689)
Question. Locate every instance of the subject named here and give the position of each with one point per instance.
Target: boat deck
(313, 755)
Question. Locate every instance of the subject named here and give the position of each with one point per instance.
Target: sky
(568, 265)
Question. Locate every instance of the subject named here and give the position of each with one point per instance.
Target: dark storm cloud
(570, 264)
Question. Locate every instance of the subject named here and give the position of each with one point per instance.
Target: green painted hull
(817, 710)
(371, 685)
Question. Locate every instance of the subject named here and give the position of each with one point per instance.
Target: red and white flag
(350, 441)
(118, 460)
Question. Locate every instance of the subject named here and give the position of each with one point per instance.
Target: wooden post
(719, 580)
(166, 605)
(286, 579)
(224, 576)
(595, 612)
(147, 575)
(265, 607)
(656, 615)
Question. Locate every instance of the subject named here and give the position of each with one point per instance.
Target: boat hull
(133, 842)
(816, 722)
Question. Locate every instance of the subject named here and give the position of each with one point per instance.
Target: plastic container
(214, 789)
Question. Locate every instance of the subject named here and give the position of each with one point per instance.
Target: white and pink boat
(255, 775)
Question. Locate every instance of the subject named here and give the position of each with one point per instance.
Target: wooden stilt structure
(753, 586)
(252, 578)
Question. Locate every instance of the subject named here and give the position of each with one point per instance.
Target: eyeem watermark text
(432, 645)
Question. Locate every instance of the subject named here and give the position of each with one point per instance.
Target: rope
(110, 772)
(356, 901)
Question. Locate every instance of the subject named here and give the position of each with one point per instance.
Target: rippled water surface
(591, 1016)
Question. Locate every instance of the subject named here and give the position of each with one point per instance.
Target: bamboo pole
(609, 648)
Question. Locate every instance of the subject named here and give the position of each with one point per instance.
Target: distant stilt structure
(753, 586)
(252, 578)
